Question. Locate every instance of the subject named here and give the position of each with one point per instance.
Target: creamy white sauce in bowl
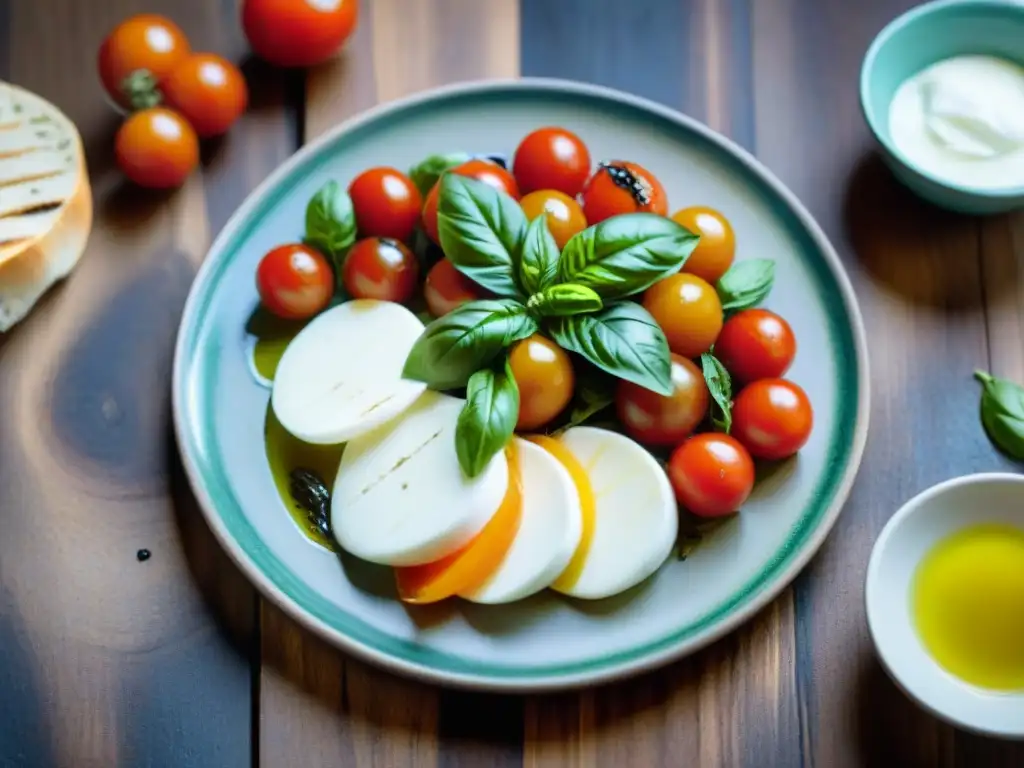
(962, 120)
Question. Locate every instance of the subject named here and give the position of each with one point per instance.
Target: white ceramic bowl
(911, 533)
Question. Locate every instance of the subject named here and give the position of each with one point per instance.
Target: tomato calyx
(637, 186)
(141, 90)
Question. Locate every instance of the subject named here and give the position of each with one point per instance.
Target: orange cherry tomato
(386, 203)
(588, 508)
(544, 374)
(481, 170)
(298, 33)
(294, 281)
(664, 420)
(552, 158)
(717, 247)
(380, 268)
(756, 344)
(688, 310)
(446, 289)
(564, 216)
(145, 42)
(621, 187)
(712, 474)
(208, 90)
(772, 418)
(469, 567)
(156, 148)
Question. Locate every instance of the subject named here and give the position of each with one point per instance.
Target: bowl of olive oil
(945, 601)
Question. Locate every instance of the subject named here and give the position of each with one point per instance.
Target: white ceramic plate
(547, 641)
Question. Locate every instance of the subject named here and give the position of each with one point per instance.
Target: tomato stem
(141, 91)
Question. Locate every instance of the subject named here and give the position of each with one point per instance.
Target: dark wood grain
(108, 661)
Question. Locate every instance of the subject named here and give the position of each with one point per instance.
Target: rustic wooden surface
(105, 661)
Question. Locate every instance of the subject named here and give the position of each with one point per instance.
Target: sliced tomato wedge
(588, 506)
(467, 568)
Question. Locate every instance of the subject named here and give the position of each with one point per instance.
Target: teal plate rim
(281, 585)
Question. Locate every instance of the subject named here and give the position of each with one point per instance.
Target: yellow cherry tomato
(717, 247)
(543, 372)
(565, 216)
(688, 310)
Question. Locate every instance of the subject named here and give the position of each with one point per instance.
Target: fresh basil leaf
(488, 418)
(482, 232)
(331, 223)
(720, 386)
(1002, 413)
(625, 254)
(538, 266)
(623, 340)
(595, 392)
(426, 173)
(454, 347)
(564, 300)
(746, 284)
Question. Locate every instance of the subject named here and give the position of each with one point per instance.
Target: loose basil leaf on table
(746, 284)
(1002, 413)
(454, 347)
(331, 223)
(720, 387)
(482, 232)
(625, 254)
(426, 173)
(622, 339)
(488, 418)
(564, 300)
(538, 265)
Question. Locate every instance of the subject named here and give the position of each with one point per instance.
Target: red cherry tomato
(386, 203)
(380, 268)
(446, 289)
(712, 474)
(481, 170)
(298, 33)
(552, 158)
(208, 90)
(756, 344)
(156, 148)
(659, 420)
(294, 281)
(772, 418)
(621, 187)
(143, 42)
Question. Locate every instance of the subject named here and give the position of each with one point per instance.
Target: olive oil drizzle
(311, 494)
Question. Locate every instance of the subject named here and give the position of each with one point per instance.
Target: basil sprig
(488, 418)
(331, 223)
(625, 254)
(623, 340)
(1002, 413)
(482, 232)
(575, 297)
(426, 172)
(454, 347)
(746, 284)
(720, 387)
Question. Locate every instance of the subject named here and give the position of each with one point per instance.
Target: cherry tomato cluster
(712, 472)
(178, 96)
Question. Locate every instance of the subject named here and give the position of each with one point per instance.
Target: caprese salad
(533, 372)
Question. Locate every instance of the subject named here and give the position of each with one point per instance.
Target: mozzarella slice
(401, 498)
(636, 520)
(549, 530)
(342, 375)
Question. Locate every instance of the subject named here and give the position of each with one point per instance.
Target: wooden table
(176, 661)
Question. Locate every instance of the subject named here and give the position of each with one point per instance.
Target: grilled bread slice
(45, 200)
